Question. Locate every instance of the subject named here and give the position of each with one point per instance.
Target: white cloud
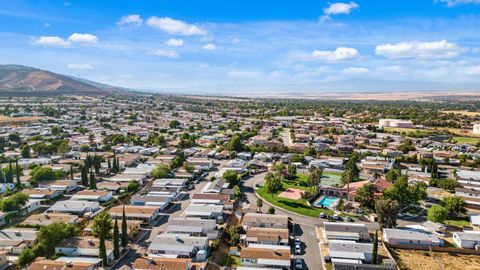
(174, 42)
(52, 41)
(132, 19)
(173, 26)
(243, 74)
(452, 3)
(236, 40)
(355, 71)
(209, 47)
(473, 70)
(83, 38)
(339, 8)
(340, 54)
(80, 66)
(166, 53)
(441, 49)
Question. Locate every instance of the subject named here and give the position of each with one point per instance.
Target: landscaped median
(299, 206)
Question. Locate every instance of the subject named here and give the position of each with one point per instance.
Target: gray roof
(177, 242)
(471, 236)
(410, 234)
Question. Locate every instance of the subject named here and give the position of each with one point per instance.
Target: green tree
(375, 249)
(315, 176)
(26, 256)
(237, 192)
(84, 175)
(231, 176)
(273, 182)
(63, 148)
(387, 210)
(455, 205)
(25, 151)
(116, 239)
(18, 172)
(160, 171)
(404, 193)
(49, 236)
(235, 144)
(392, 175)
(365, 196)
(102, 225)
(124, 229)
(271, 210)
(39, 174)
(259, 205)
(93, 182)
(174, 124)
(437, 213)
(102, 250)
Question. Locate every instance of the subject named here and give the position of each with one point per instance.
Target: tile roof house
(59, 265)
(162, 264)
(148, 214)
(265, 258)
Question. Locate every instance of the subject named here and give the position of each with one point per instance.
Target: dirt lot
(467, 113)
(6, 120)
(424, 260)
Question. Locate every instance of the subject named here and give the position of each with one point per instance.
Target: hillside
(22, 80)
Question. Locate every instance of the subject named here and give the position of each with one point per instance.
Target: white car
(297, 241)
(298, 249)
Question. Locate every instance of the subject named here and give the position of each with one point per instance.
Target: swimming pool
(326, 201)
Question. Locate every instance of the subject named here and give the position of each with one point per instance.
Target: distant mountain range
(22, 80)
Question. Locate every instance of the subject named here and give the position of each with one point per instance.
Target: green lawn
(469, 140)
(297, 206)
(458, 222)
(331, 179)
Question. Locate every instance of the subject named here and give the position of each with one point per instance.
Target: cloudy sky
(235, 46)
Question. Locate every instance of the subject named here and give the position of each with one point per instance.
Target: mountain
(22, 80)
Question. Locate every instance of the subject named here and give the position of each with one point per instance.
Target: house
(49, 218)
(59, 265)
(193, 227)
(84, 247)
(147, 214)
(162, 264)
(93, 195)
(4, 187)
(340, 250)
(14, 240)
(4, 264)
(342, 265)
(266, 236)
(467, 239)
(179, 246)
(209, 198)
(204, 211)
(265, 258)
(170, 183)
(74, 207)
(66, 186)
(265, 221)
(43, 193)
(411, 237)
(158, 201)
(124, 177)
(345, 231)
(114, 187)
(31, 206)
(470, 195)
(216, 186)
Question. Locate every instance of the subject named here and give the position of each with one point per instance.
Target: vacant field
(469, 140)
(467, 113)
(424, 260)
(6, 120)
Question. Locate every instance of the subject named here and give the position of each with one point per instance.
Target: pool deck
(332, 206)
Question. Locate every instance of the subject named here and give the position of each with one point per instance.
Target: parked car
(298, 249)
(298, 263)
(297, 241)
(349, 219)
(335, 217)
(322, 215)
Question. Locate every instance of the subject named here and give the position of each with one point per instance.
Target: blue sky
(249, 46)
